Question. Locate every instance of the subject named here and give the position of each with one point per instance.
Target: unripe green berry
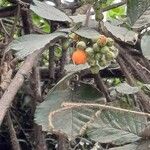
(74, 36)
(114, 50)
(109, 56)
(96, 48)
(98, 56)
(95, 69)
(92, 62)
(104, 50)
(81, 45)
(90, 51)
(103, 62)
(110, 42)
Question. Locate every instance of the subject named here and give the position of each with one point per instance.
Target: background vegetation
(48, 102)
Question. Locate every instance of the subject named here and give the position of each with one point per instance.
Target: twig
(3, 27)
(101, 86)
(51, 64)
(8, 11)
(88, 14)
(15, 22)
(13, 137)
(16, 83)
(138, 64)
(18, 80)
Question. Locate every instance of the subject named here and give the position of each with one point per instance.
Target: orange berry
(79, 56)
(102, 40)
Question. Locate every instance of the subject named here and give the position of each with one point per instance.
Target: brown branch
(16, 83)
(101, 86)
(13, 137)
(9, 11)
(18, 80)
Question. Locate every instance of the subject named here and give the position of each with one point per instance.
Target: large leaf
(125, 88)
(141, 145)
(81, 19)
(122, 33)
(116, 127)
(27, 44)
(64, 93)
(72, 121)
(145, 41)
(75, 68)
(138, 12)
(48, 12)
(87, 33)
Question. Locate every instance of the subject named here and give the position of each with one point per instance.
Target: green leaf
(27, 44)
(81, 19)
(116, 12)
(125, 147)
(48, 12)
(87, 33)
(125, 88)
(145, 46)
(41, 23)
(76, 68)
(116, 127)
(122, 33)
(141, 145)
(64, 93)
(71, 121)
(138, 12)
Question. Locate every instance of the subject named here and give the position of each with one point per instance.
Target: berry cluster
(97, 53)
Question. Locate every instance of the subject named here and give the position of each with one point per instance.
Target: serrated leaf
(27, 44)
(125, 147)
(145, 46)
(122, 33)
(116, 127)
(81, 19)
(63, 93)
(70, 121)
(141, 145)
(87, 33)
(49, 12)
(125, 88)
(138, 12)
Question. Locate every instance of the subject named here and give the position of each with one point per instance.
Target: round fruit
(98, 56)
(74, 36)
(96, 48)
(110, 42)
(95, 69)
(81, 45)
(79, 57)
(104, 50)
(89, 51)
(103, 62)
(102, 40)
(92, 62)
(109, 56)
